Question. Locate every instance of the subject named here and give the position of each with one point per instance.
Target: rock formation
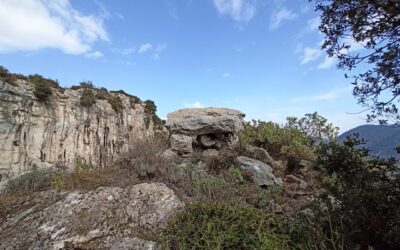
(260, 173)
(203, 128)
(61, 131)
(106, 218)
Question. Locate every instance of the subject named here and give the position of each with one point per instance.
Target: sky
(262, 57)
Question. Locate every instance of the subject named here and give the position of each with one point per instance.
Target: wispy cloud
(310, 54)
(238, 10)
(53, 24)
(144, 48)
(196, 104)
(327, 96)
(327, 63)
(226, 75)
(94, 55)
(313, 23)
(279, 16)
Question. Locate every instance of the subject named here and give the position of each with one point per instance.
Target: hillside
(382, 140)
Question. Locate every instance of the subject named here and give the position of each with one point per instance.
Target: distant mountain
(382, 140)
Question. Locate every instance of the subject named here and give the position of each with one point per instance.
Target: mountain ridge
(381, 139)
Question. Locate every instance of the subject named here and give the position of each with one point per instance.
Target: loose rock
(260, 172)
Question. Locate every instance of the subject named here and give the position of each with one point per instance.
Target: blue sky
(259, 56)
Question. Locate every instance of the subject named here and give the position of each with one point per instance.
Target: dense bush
(88, 97)
(359, 205)
(32, 181)
(102, 94)
(116, 103)
(281, 142)
(9, 77)
(314, 126)
(43, 87)
(218, 226)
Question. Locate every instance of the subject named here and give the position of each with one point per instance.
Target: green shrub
(43, 87)
(102, 94)
(116, 103)
(315, 126)
(150, 107)
(236, 173)
(32, 181)
(359, 205)
(279, 141)
(218, 226)
(87, 98)
(57, 182)
(9, 77)
(86, 85)
(42, 91)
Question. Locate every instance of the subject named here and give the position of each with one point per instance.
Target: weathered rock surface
(207, 128)
(202, 121)
(61, 131)
(182, 144)
(262, 155)
(102, 219)
(260, 172)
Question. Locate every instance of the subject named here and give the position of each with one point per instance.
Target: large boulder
(181, 144)
(261, 174)
(201, 121)
(93, 220)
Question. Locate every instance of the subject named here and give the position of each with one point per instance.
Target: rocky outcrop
(261, 174)
(262, 155)
(106, 218)
(61, 131)
(203, 128)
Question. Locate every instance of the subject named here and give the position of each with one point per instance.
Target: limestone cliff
(61, 131)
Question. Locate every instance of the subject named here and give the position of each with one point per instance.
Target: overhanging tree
(365, 34)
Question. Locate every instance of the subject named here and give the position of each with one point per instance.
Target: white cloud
(313, 23)
(310, 54)
(226, 75)
(29, 25)
(196, 104)
(129, 51)
(238, 10)
(144, 48)
(94, 55)
(280, 16)
(327, 63)
(328, 96)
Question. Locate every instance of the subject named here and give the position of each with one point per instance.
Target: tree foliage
(359, 202)
(366, 34)
(315, 126)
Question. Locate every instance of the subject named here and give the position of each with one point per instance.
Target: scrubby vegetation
(35, 180)
(88, 98)
(350, 200)
(219, 226)
(280, 141)
(358, 205)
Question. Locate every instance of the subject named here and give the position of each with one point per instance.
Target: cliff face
(61, 131)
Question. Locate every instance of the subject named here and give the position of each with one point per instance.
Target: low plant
(88, 97)
(31, 181)
(236, 174)
(219, 226)
(116, 103)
